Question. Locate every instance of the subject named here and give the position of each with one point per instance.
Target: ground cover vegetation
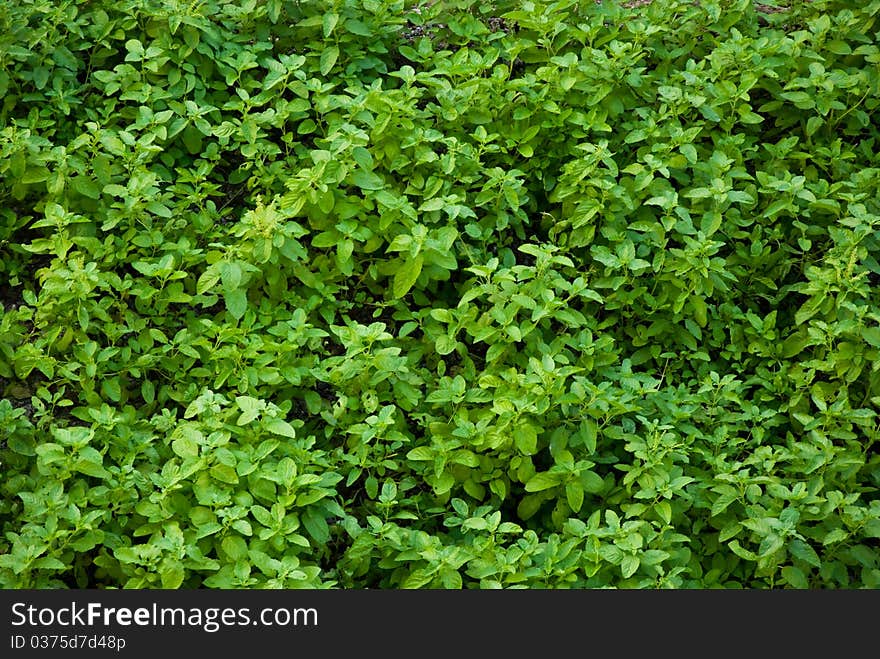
(350, 294)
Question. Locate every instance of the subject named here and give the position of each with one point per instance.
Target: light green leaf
(230, 275)
(542, 481)
(421, 453)
(367, 180)
(250, 408)
(803, 551)
(328, 59)
(871, 528)
(172, 574)
(592, 482)
(90, 462)
(357, 27)
(795, 577)
(280, 427)
(872, 336)
(329, 22)
(236, 302)
(185, 447)
(86, 187)
(574, 494)
(835, 536)
(444, 344)
(526, 438)
(235, 547)
(794, 345)
(406, 276)
(740, 551)
(588, 432)
(629, 565)
(49, 563)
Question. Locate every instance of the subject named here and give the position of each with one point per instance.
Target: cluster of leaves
(363, 293)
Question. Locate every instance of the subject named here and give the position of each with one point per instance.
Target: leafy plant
(340, 294)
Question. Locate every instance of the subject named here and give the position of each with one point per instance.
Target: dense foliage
(343, 293)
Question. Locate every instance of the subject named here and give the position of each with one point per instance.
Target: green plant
(450, 295)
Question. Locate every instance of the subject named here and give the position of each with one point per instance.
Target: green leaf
(592, 482)
(654, 557)
(588, 433)
(795, 577)
(801, 100)
(801, 550)
(49, 563)
(328, 59)
(872, 336)
(722, 502)
(389, 492)
(148, 391)
(813, 124)
(329, 22)
(711, 222)
(528, 506)
(185, 447)
(316, 525)
(418, 578)
(192, 140)
(159, 209)
(542, 481)
(280, 427)
(834, 536)
(526, 438)
(367, 180)
(420, 454)
(444, 344)
(250, 407)
(235, 547)
(770, 545)
(406, 275)
(112, 389)
(629, 566)
(371, 486)
(357, 27)
(794, 345)
(236, 302)
(224, 473)
(737, 549)
(664, 510)
(86, 187)
(90, 462)
(574, 494)
(871, 528)
(172, 574)
(466, 458)
(230, 275)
